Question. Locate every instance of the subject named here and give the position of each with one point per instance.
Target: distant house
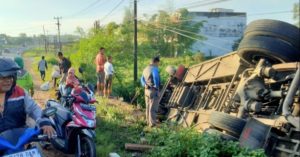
(222, 27)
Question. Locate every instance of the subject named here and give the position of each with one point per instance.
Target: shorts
(108, 81)
(42, 73)
(100, 77)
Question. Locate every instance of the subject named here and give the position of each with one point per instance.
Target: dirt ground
(41, 97)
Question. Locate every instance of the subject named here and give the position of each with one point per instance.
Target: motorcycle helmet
(8, 67)
(19, 61)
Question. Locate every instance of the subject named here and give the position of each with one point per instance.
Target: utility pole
(48, 41)
(58, 29)
(45, 40)
(135, 41)
(97, 25)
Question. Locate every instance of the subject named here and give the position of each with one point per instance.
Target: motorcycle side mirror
(50, 111)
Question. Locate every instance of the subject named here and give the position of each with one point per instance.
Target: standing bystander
(150, 80)
(100, 61)
(64, 65)
(109, 71)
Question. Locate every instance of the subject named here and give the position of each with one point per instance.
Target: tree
(172, 34)
(23, 39)
(296, 14)
(110, 27)
(186, 27)
(126, 29)
(80, 32)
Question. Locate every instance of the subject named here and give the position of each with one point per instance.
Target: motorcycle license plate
(34, 152)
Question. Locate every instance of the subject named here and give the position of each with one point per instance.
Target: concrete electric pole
(45, 40)
(135, 41)
(58, 29)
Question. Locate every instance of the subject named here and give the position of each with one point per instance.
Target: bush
(173, 142)
(199, 57)
(52, 61)
(89, 72)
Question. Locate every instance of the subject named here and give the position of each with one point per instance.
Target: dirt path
(41, 97)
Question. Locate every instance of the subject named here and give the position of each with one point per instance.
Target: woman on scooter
(72, 80)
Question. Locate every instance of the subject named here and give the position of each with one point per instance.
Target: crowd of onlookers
(65, 73)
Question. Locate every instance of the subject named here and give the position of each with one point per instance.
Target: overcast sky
(29, 16)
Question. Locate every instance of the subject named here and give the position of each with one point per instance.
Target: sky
(29, 16)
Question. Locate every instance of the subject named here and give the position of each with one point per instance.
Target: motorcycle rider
(16, 104)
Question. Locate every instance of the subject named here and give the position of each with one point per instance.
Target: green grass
(118, 124)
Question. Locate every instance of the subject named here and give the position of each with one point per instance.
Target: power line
(187, 36)
(253, 14)
(225, 41)
(84, 10)
(104, 17)
(186, 31)
(201, 2)
(205, 4)
(197, 34)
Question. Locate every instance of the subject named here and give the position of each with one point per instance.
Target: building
(221, 28)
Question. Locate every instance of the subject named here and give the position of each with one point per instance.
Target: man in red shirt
(100, 61)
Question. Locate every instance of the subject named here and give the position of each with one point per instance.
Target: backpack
(68, 63)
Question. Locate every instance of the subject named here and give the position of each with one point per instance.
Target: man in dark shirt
(64, 65)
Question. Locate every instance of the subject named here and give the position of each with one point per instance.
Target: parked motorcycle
(23, 147)
(64, 90)
(64, 93)
(75, 124)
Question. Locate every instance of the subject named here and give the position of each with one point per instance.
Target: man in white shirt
(109, 71)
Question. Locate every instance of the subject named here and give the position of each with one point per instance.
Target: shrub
(172, 142)
(52, 61)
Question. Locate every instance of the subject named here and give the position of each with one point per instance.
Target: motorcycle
(75, 124)
(65, 89)
(64, 92)
(23, 147)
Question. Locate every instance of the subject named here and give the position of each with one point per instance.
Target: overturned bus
(250, 95)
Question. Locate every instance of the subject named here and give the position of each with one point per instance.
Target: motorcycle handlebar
(42, 137)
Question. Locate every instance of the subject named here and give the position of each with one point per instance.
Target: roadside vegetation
(118, 123)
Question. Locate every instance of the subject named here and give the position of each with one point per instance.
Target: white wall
(221, 30)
